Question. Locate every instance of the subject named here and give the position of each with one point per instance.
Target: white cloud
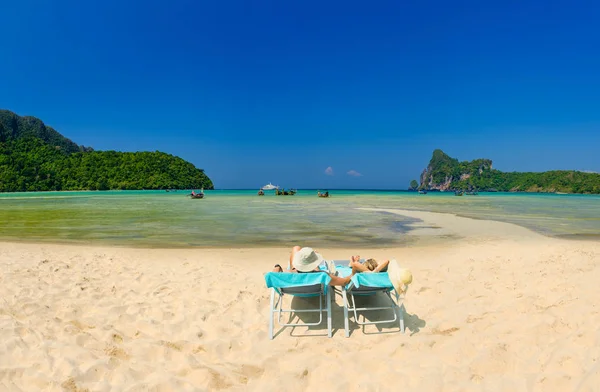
(354, 173)
(329, 171)
(590, 171)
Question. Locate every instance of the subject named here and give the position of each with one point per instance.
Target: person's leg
(277, 268)
(294, 250)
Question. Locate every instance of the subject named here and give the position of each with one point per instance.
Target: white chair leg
(401, 317)
(400, 312)
(346, 326)
(329, 311)
(271, 314)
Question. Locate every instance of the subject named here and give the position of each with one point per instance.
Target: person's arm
(382, 266)
(294, 250)
(357, 266)
(339, 281)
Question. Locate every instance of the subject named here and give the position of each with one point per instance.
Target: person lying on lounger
(371, 265)
(305, 260)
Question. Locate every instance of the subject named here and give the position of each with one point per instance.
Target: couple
(303, 260)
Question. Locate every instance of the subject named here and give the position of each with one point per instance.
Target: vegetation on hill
(34, 157)
(13, 126)
(446, 173)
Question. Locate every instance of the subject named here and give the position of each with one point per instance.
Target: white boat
(269, 187)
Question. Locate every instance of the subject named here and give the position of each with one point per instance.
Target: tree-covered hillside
(13, 126)
(34, 157)
(446, 173)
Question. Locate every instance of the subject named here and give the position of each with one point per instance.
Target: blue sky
(259, 91)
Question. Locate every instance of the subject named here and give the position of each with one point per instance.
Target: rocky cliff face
(427, 181)
(445, 173)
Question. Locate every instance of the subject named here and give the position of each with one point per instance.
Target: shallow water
(240, 218)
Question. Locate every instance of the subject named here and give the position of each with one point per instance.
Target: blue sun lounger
(314, 284)
(369, 284)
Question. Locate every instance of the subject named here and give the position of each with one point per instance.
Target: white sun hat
(306, 260)
(400, 277)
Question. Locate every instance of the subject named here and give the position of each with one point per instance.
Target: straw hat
(306, 260)
(400, 277)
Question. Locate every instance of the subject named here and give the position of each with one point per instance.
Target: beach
(493, 306)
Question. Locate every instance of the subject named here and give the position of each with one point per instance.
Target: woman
(371, 265)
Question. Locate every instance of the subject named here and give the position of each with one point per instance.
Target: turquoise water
(228, 218)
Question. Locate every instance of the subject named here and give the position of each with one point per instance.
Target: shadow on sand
(412, 322)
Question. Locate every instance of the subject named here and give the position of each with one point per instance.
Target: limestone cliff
(445, 173)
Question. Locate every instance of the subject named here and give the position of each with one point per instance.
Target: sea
(241, 218)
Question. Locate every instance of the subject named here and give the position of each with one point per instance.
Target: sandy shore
(496, 307)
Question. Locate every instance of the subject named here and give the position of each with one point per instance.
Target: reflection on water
(240, 218)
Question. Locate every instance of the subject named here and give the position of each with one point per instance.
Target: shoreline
(248, 221)
(433, 192)
(433, 226)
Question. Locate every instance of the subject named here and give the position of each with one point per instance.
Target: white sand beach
(495, 307)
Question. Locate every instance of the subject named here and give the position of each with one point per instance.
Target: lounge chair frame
(352, 290)
(316, 290)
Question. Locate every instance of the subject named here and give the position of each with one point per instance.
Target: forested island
(448, 174)
(35, 157)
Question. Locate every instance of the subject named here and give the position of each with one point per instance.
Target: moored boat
(195, 195)
(283, 192)
(269, 187)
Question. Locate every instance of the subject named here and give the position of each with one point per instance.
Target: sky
(313, 94)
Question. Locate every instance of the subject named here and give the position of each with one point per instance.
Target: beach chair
(314, 284)
(370, 284)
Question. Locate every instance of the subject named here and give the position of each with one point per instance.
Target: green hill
(35, 157)
(13, 126)
(445, 173)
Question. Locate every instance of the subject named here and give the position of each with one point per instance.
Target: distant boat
(458, 193)
(269, 187)
(195, 195)
(261, 193)
(323, 194)
(423, 192)
(472, 193)
(283, 192)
